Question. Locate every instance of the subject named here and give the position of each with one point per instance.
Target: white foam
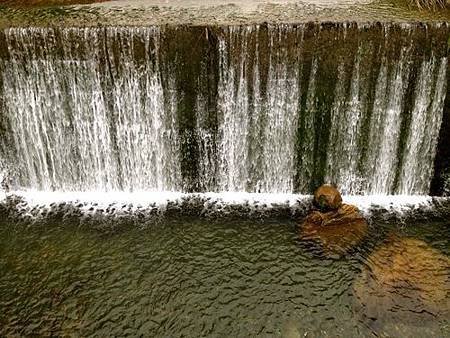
(146, 207)
(260, 198)
(145, 198)
(397, 203)
(102, 199)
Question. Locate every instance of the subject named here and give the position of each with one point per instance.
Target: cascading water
(68, 135)
(426, 117)
(258, 134)
(284, 108)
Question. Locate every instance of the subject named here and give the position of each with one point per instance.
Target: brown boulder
(327, 197)
(336, 231)
(404, 282)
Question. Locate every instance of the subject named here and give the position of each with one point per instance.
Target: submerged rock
(405, 282)
(337, 229)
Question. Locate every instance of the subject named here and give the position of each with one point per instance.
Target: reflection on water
(193, 278)
(237, 12)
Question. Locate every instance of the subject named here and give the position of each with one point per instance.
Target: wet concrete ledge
(208, 12)
(46, 3)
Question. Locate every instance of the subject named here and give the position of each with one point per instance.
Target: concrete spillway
(259, 108)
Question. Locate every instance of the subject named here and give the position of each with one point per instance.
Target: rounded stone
(327, 197)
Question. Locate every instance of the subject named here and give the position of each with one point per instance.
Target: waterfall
(69, 136)
(342, 159)
(426, 118)
(258, 134)
(385, 124)
(259, 108)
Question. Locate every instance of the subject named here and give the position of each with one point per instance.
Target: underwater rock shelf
(256, 108)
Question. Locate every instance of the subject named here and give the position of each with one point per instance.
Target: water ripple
(193, 277)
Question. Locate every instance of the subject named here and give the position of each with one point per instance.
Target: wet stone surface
(189, 277)
(46, 3)
(155, 12)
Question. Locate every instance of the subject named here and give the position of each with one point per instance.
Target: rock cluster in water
(335, 226)
(405, 281)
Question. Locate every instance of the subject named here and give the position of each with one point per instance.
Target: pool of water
(194, 277)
